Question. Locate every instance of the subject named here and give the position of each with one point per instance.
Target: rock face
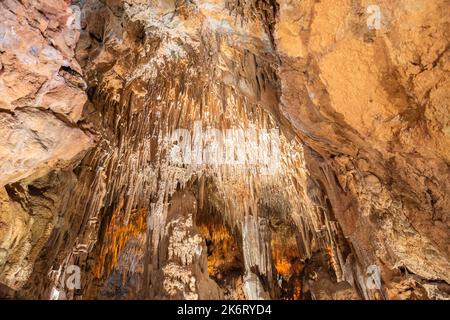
(376, 128)
(42, 89)
(41, 101)
(215, 149)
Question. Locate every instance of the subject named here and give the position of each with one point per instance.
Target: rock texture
(378, 146)
(42, 89)
(356, 207)
(41, 101)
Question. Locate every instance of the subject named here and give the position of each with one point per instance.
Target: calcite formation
(223, 149)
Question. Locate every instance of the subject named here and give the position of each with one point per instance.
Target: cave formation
(224, 149)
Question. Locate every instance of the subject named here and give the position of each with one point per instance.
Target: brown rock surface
(41, 99)
(42, 89)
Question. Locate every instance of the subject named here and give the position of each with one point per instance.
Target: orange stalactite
(283, 267)
(297, 290)
(286, 256)
(331, 259)
(288, 265)
(223, 249)
(117, 236)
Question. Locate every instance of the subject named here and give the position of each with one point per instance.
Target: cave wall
(41, 102)
(363, 119)
(374, 110)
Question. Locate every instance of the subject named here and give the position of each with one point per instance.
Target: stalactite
(175, 80)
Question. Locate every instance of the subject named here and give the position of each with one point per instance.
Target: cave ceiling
(224, 149)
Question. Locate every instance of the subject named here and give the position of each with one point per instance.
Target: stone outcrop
(41, 101)
(94, 94)
(43, 93)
